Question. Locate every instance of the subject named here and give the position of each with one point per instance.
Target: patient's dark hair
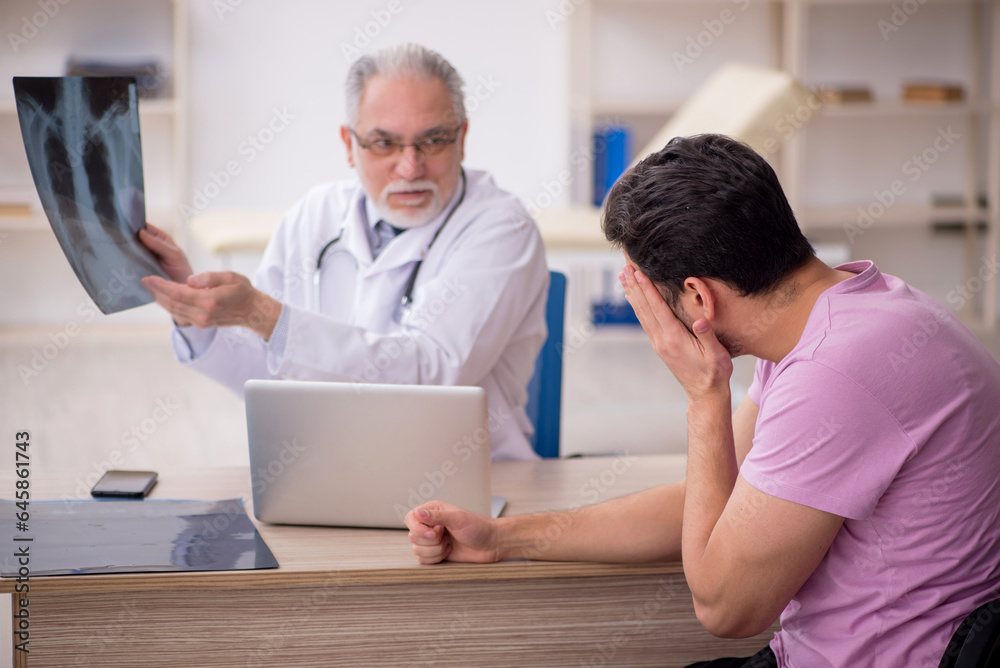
(706, 206)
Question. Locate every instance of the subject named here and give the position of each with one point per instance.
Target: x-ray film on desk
(81, 136)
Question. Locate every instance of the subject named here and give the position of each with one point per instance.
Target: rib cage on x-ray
(81, 136)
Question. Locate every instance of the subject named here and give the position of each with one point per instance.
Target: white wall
(264, 56)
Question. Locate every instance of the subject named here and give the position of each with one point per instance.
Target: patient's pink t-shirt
(887, 413)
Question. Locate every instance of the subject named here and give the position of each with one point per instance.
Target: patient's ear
(699, 298)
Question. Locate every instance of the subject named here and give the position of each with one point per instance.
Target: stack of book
(932, 91)
(16, 202)
(830, 94)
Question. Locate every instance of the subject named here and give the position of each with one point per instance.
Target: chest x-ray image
(81, 135)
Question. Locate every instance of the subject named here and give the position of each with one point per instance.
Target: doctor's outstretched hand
(216, 299)
(211, 299)
(440, 531)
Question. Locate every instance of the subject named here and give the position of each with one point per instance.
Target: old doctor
(419, 271)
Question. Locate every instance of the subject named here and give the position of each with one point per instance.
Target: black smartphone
(132, 484)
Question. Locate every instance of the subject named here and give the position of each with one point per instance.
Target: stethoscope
(407, 299)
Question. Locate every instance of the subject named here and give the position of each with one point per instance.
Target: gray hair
(410, 60)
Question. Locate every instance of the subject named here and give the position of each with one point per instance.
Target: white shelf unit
(628, 65)
(114, 30)
(891, 159)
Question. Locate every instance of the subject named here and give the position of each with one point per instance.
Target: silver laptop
(363, 455)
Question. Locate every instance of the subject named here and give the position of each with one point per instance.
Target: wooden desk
(353, 597)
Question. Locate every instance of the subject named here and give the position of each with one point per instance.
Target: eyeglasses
(428, 146)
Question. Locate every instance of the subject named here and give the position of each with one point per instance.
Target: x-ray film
(72, 537)
(81, 135)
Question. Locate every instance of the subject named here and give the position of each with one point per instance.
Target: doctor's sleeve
(234, 355)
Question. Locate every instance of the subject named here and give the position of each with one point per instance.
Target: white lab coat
(477, 318)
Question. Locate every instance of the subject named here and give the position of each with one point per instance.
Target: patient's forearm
(638, 528)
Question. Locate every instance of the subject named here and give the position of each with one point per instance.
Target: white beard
(409, 216)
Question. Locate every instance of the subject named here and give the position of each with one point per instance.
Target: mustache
(409, 186)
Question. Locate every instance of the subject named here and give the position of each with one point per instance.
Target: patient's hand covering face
(81, 136)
